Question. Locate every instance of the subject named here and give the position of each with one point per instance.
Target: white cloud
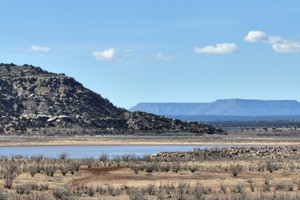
(256, 36)
(107, 55)
(222, 48)
(40, 48)
(278, 44)
(160, 56)
(289, 47)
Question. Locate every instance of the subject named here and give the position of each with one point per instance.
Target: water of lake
(92, 151)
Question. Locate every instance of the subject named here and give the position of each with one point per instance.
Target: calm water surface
(92, 151)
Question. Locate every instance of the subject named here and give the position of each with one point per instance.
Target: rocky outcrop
(232, 153)
(141, 121)
(36, 101)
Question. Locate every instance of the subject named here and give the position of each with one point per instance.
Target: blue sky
(160, 51)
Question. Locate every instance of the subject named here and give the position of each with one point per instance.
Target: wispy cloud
(40, 48)
(137, 56)
(107, 55)
(222, 48)
(278, 44)
(128, 50)
(161, 56)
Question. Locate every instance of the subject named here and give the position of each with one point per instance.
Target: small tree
(271, 166)
(193, 168)
(251, 184)
(236, 169)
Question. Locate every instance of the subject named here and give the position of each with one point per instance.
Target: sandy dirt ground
(146, 140)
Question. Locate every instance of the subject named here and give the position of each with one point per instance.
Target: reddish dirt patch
(93, 174)
(101, 170)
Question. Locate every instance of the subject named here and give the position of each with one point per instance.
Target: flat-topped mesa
(36, 101)
(224, 107)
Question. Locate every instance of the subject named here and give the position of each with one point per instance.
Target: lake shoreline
(121, 140)
(148, 144)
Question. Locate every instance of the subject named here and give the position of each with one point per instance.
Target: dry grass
(102, 178)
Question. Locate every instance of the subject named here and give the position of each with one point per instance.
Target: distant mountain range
(225, 107)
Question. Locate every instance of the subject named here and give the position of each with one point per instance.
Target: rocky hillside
(233, 153)
(33, 100)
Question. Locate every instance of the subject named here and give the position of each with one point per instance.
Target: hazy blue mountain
(168, 108)
(224, 118)
(232, 107)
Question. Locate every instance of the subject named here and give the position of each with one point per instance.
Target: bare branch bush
(236, 169)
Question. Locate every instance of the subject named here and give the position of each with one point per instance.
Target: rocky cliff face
(33, 100)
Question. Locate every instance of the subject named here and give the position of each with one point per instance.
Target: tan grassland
(130, 178)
